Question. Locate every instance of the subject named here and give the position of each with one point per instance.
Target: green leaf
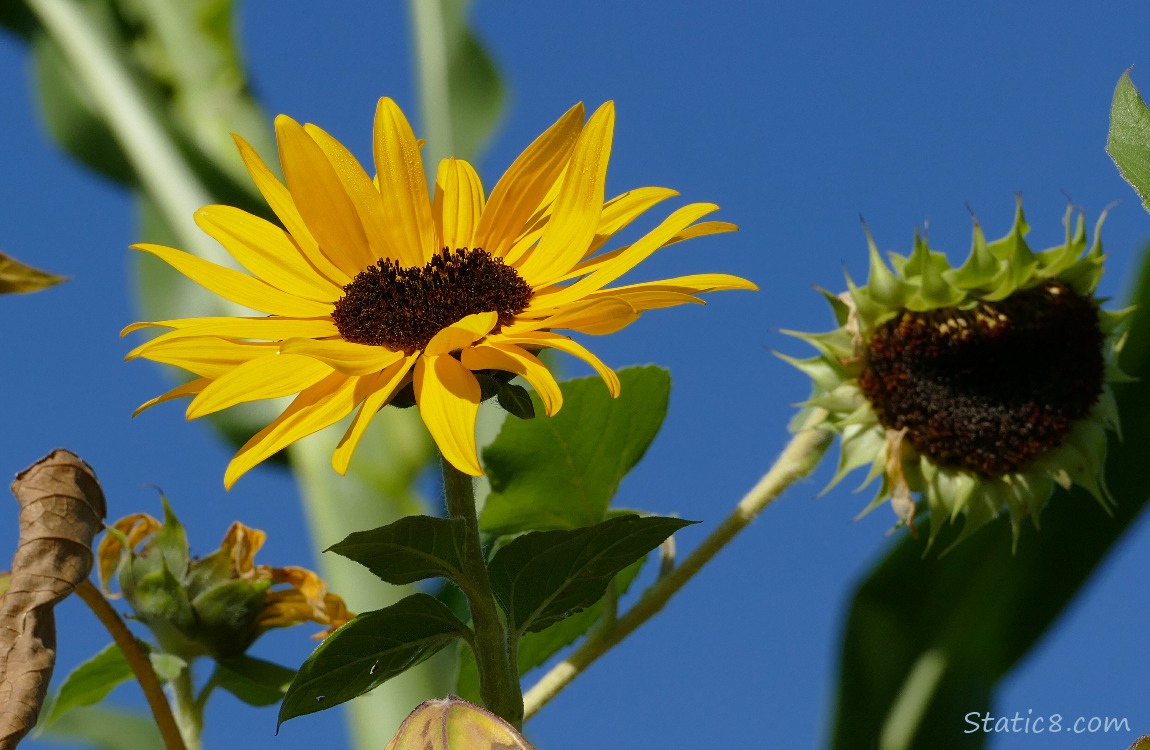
(536, 648)
(254, 681)
(516, 400)
(543, 577)
(107, 729)
(563, 471)
(18, 278)
(926, 639)
(90, 683)
(1129, 141)
(411, 549)
(369, 650)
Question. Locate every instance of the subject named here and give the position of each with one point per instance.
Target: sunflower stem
(138, 661)
(495, 654)
(798, 459)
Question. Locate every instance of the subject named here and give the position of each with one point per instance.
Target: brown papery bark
(61, 509)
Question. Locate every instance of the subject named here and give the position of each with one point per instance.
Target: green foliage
(370, 650)
(90, 682)
(106, 729)
(414, 548)
(543, 577)
(254, 681)
(562, 472)
(536, 648)
(1129, 141)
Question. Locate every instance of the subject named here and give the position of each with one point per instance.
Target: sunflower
(372, 285)
(976, 388)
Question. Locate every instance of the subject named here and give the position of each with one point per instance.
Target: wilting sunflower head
(974, 388)
(371, 287)
(215, 605)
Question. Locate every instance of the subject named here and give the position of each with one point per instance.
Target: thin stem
(189, 713)
(798, 459)
(138, 661)
(495, 655)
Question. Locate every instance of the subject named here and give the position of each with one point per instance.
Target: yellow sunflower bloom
(372, 285)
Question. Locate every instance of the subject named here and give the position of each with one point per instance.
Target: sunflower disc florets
(972, 389)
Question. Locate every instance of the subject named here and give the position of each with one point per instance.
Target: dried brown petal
(15, 277)
(61, 510)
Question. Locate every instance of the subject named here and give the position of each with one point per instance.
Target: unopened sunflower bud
(216, 605)
(454, 724)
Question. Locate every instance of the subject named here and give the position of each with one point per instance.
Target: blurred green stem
(494, 653)
(188, 711)
(164, 173)
(797, 460)
(430, 37)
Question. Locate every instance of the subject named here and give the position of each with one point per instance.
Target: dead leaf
(15, 277)
(61, 509)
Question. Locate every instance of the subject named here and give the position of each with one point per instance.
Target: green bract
(973, 388)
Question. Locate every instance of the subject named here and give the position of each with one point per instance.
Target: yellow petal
(403, 185)
(281, 203)
(632, 256)
(348, 358)
(575, 216)
(596, 316)
(462, 334)
(237, 287)
(564, 344)
(385, 385)
(677, 291)
(266, 329)
(458, 203)
(361, 189)
(511, 358)
(187, 389)
(272, 376)
(267, 251)
(206, 356)
(526, 182)
(319, 406)
(620, 211)
(448, 397)
(701, 229)
(321, 198)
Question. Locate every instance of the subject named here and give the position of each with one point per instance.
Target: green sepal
(227, 616)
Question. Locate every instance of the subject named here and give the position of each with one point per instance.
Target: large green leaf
(561, 472)
(368, 651)
(926, 639)
(543, 577)
(536, 648)
(411, 549)
(1129, 141)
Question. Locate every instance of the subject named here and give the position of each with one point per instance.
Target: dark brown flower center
(989, 388)
(402, 308)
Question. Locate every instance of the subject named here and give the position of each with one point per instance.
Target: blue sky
(796, 119)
